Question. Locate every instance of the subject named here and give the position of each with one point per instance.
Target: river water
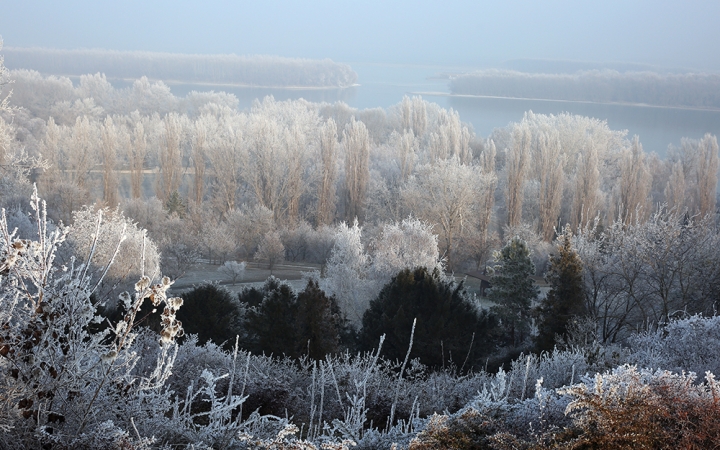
(382, 85)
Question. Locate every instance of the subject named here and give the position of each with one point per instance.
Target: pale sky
(661, 32)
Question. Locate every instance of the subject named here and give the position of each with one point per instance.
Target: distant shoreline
(587, 102)
(214, 84)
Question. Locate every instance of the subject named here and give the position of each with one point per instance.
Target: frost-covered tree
(632, 194)
(198, 152)
(170, 156)
(586, 201)
(82, 150)
(707, 178)
(675, 188)
(448, 194)
(346, 273)
(328, 173)
(512, 288)
(110, 141)
(270, 250)
(137, 153)
(518, 158)
(233, 270)
(356, 143)
(405, 245)
(226, 156)
(550, 163)
(248, 225)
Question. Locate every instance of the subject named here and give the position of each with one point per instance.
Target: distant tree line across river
(689, 90)
(255, 70)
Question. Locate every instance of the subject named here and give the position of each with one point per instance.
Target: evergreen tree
(319, 326)
(449, 329)
(271, 324)
(286, 323)
(513, 289)
(175, 204)
(566, 297)
(251, 296)
(211, 312)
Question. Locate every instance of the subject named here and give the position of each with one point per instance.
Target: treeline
(187, 68)
(570, 66)
(690, 90)
(294, 164)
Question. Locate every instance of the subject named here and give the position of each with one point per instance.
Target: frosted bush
(688, 344)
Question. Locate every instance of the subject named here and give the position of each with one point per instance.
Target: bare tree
(233, 270)
(517, 160)
(357, 168)
(675, 189)
(419, 116)
(328, 173)
(587, 182)
(170, 157)
(632, 200)
(109, 141)
(82, 151)
(199, 149)
(707, 179)
(136, 156)
(271, 250)
(551, 165)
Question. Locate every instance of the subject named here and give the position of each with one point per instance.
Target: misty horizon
(664, 34)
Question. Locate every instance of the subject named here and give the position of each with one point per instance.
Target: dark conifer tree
(513, 289)
(566, 297)
(319, 325)
(449, 329)
(271, 324)
(251, 296)
(212, 313)
(286, 323)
